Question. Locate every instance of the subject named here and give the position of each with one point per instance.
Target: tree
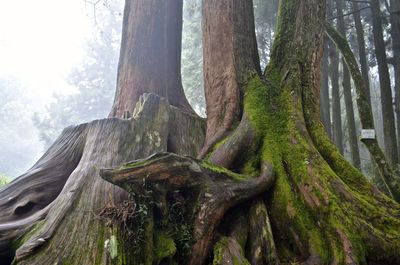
(267, 151)
(159, 70)
(348, 99)
(395, 33)
(389, 129)
(325, 104)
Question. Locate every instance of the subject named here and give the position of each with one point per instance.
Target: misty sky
(40, 43)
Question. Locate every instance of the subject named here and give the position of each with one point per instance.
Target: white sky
(41, 40)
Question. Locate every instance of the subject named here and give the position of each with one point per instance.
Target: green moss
(35, 228)
(4, 180)
(100, 245)
(164, 246)
(219, 251)
(222, 170)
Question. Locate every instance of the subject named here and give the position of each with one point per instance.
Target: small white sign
(367, 134)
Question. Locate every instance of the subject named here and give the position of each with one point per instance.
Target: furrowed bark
(320, 203)
(230, 57)
(150, 57)
(25, 201)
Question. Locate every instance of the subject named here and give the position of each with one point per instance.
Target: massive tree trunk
(150, 57)
(297, 198)
(348, 98)
(389, 128)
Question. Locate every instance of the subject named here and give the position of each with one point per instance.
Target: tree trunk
(362, 54)
(325, 101)
(336, 109)
(150, 57)
(348, 98)
(389, 128)
(230, 57)
(395, 32)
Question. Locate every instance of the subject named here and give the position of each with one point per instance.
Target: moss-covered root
(261, 244)
(227, 251)
(216, 188)
(322, 210)
(164, 247)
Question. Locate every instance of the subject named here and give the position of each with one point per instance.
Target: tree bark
(395, 33)
(150, 55)
(230, 57)
(389, 128)
(362, 54)
(348, 98)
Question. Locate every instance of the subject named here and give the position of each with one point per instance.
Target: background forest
(31, 124)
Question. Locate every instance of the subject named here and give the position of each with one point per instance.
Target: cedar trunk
(150, 56)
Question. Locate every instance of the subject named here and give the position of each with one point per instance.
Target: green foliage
(265, 20)
(192, 56)
(4, 180)
(164, 246)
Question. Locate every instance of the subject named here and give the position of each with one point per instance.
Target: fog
(44, 47)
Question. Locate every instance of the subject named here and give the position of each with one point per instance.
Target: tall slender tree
(389, 128)
(337, 134)
(395, 33)
(325, 99)
(362, 54)
(348, 98)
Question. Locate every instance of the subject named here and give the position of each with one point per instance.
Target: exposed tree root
(261, 241)
(217, 190)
